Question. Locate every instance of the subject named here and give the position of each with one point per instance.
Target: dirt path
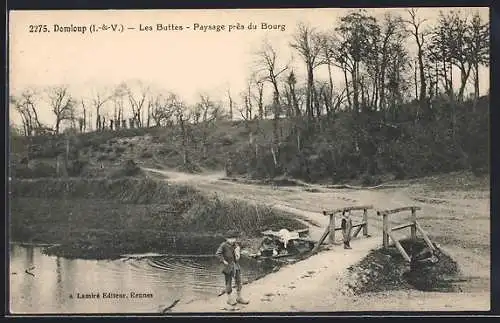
(459, 224)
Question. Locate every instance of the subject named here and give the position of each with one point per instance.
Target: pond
(44, 284)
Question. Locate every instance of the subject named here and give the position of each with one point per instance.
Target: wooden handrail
(349, 208)
(401, 209)
(401, 226)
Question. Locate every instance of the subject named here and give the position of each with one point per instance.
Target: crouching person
(229, 254)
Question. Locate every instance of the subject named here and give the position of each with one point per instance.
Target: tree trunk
(261, 103)
(374, 96)
(84, 120)
(184, 141)
(66, 159)
(90, 120)
(309, 102)
(120, 114)
(37, 121)
(98, 122)
(422, 76)
(230, 108)
(476, 80)
(294, 101)
(452, 94)
(355, 87)
(289, 104)
(275, 160)
(363, 94)
(298, 141)
(316, 102)
(382, 85)
(348, 93)
(330, 80)
(476, 86)
(416, 82)
(58, 122)
(149, 115)
(327, 105)
(464, 76)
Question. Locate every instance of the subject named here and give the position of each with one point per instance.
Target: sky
(188, 62)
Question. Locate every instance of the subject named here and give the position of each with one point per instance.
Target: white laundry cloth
(286, 236)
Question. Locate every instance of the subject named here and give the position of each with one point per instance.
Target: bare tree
(388, 48)
(83, 118)
(439, 52)
(25, 105)
(309, 44)
(355, 42)
(249, 105)
(453, 36)
(162, 108)
(258, 97)
(99, 98)
(246, 110)
(183, 115)
(267, 60)
(415, 25)
(208, 110)
(479, 50)
(61, 103)
(327, 57)
(268, 66)
(25, 114)
(137, 94)
(119, 93)
(30, 96)
(230, 104)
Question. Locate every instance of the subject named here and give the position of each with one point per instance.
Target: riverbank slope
(105, 218)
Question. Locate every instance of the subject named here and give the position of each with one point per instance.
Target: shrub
(120, 149)
(147, 154)
(226, 140)
(130, 168)
(35, 170)
(370, 180)
(102, 157)
(76, 167)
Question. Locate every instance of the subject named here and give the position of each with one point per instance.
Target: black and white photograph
(236, 161)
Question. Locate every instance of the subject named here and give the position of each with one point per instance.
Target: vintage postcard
(250, 160)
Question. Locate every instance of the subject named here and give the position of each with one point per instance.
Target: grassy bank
(103, 218)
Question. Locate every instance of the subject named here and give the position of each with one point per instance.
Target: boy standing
(229, 254)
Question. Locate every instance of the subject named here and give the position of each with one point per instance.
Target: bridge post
(385, 230)
(365, 220)
(414, 224)
(332, 229)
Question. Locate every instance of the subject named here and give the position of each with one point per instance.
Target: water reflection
(59, 283)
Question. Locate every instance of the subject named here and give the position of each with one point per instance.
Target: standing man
(346, 229)
(229, 254)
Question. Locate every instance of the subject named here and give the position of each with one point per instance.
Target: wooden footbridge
(387, 228)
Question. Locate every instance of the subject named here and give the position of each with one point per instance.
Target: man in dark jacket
(229, 254)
